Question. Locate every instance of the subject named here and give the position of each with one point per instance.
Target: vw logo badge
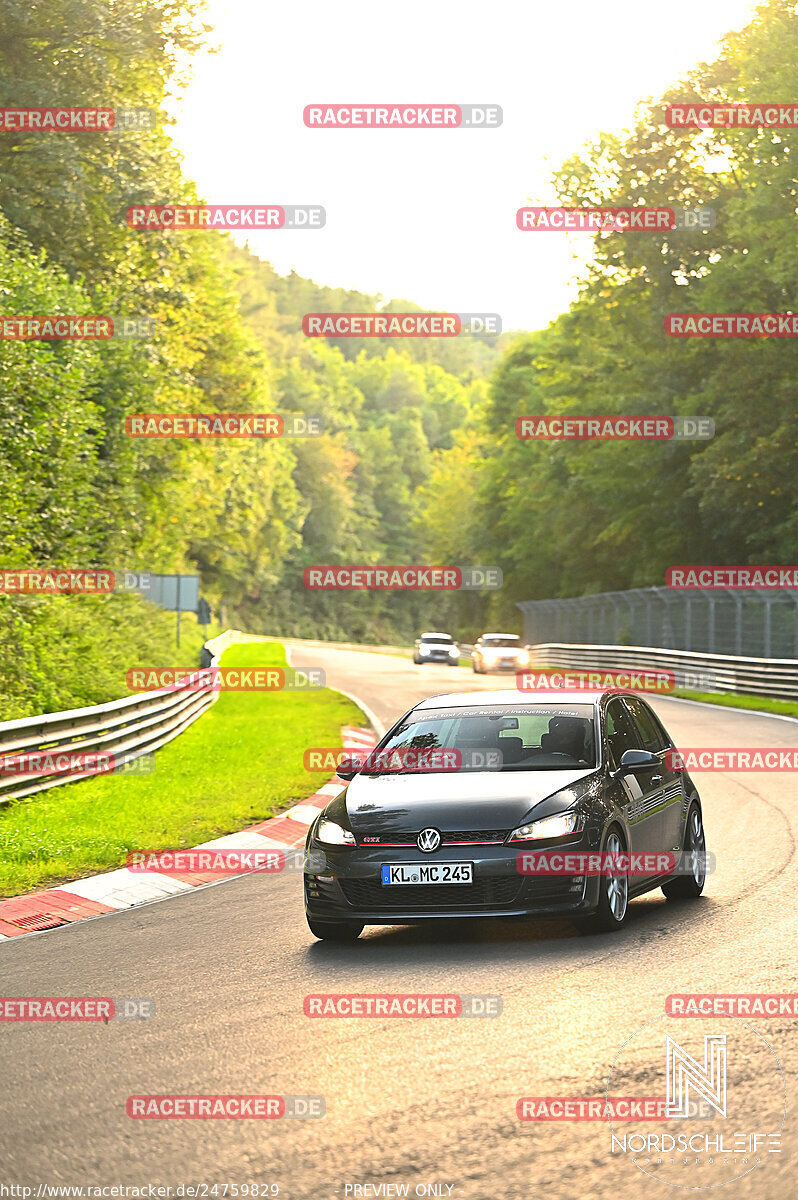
(429, 840)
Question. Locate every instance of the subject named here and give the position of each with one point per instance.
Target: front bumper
(348, 887)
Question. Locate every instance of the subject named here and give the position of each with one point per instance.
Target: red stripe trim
(379, 845)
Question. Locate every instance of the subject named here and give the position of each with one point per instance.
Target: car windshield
(539, 737)
(490, 643)
(435, 637)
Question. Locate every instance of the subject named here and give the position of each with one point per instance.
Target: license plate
(418, 873)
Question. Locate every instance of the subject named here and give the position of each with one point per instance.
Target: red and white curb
(123, 888)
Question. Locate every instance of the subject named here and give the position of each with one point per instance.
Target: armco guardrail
(124, 729)
(775, 677)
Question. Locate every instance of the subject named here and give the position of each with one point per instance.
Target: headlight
(334, 835)
(454, 652)
(548, 827)
(522, 658)
(423, 649)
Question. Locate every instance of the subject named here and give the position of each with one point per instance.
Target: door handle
(656, 779)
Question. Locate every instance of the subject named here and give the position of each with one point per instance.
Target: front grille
(473, 835)
(454, 837)
(483, 893)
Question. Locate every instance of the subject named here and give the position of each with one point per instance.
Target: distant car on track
(499, 652)
(581, 772)
(436, 647)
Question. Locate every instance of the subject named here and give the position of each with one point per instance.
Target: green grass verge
(786, 708)
(238, 764)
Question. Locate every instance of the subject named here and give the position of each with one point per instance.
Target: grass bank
(240, 763)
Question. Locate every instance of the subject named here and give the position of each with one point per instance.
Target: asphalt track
(409, 1102)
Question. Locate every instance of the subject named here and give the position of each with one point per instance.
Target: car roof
(434, 633)
(512, 635)
(516, 698)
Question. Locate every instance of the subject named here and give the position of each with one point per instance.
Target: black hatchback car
(500, 805)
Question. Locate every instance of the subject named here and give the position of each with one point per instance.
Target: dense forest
(419, 462)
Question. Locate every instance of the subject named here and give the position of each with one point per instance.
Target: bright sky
(429, 215)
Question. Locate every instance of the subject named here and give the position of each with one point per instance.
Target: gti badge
(429, 840)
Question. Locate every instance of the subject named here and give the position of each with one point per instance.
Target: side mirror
(636, 760)
(349, 765)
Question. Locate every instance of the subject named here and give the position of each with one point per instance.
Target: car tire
(613, 903)
(475, 668)
(334, 931)
(416, 660)
(689, 887)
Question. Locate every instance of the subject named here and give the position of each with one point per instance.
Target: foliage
(418, 461)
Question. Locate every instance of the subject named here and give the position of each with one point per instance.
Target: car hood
(475, 800)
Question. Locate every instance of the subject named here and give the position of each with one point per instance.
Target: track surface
(408, 1102)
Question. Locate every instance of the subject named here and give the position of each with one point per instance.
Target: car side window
(648, 727)
(621, 734)
(665, 737)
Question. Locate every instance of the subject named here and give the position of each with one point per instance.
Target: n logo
(686, 1074)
